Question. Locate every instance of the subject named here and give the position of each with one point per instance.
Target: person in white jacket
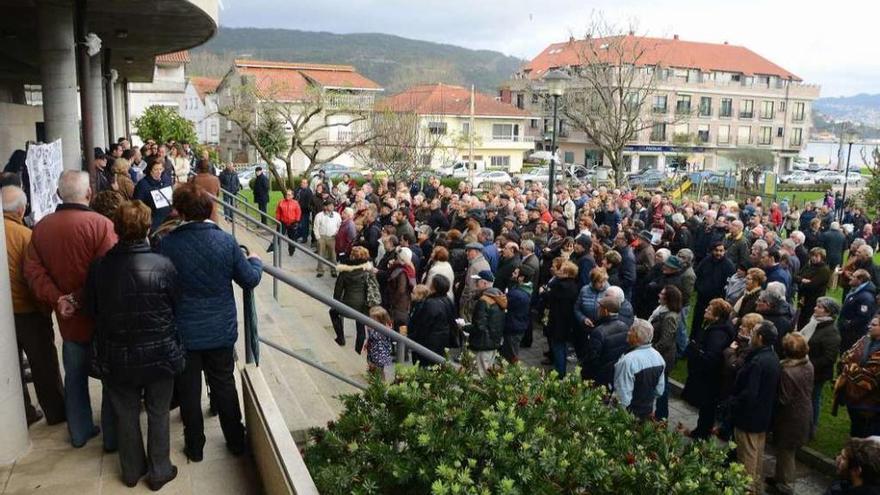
(439, 265)
(327, 223)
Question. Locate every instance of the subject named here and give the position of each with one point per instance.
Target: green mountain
(394, 62)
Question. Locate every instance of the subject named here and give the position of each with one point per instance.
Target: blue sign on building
(663, 149)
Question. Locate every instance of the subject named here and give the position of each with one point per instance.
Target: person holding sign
(155, 191)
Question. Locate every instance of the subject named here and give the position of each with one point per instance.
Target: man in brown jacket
(63, 245)
(33, 322)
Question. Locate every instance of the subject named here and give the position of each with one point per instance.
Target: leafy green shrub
(451, 182)
(803, 187)
(518, 431)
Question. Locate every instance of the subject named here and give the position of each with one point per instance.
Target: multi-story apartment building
(200, 108)
(500, 137)
(165, 89)
(342, 92)
(707, 99)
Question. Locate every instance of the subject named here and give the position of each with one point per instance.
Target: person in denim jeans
(62, 248)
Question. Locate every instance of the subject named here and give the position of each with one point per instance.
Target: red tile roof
(661, 51)
(444, 99)
(204, 85)
(181, 57)
(289, 81)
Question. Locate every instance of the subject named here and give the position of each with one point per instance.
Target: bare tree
(612, 87)
(401, 145)
(278, 128)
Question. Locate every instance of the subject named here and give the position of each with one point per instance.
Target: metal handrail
(349, 312)
(314, 364)
(305, 249)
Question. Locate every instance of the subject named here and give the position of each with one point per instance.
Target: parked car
(786, 178)
(542, 157)
(331, 168)
(540, 174)
(646, 178)
(460, 169)
(802, 180)
(827, 177)
(494, 177)
(854, 178)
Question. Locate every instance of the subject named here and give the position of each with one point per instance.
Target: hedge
(517, 431)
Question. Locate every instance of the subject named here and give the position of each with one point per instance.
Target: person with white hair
(63, 246)
(33, 327)
(327, 223)
(626, 314)
(638, 374)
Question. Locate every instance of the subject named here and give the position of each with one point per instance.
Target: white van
(460, 169)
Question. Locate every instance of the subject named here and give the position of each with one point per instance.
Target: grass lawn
(274, 198)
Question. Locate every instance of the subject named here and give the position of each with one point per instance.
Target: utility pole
(471, 164)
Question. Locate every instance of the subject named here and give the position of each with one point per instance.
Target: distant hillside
(862, 108)
(392, 61)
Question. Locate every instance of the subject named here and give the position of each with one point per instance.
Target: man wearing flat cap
(476, 264)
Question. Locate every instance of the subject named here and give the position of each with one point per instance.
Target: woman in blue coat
(207, 260)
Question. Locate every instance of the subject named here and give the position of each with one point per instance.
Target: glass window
(766, 136)
(437, 128)
(782, 106)
(767, 110)
(798, 112)
(465, 128)
(520, 103)
(705, 106)
(797, 135)
(500, 161)
(533, 123)
(569, 157)
(703, 133)
(744, 135)
(658, 132)
(659, 104)
(502, 132)
(746, 109)
(724, 134)
(683, 104)
(726, 107)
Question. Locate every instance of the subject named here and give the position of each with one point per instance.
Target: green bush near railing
(516, 431)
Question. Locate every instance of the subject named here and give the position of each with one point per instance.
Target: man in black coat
(751, 403)
(712, 274)
(627, 270)
(230, 185)
(834, 242)
(775, 309)
(606, 343)
(261, 192)
(303, 196)
(510, 261)
(858, 308)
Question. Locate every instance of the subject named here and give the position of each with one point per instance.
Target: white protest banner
(44, 165)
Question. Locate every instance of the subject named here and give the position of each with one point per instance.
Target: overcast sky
(832, 43)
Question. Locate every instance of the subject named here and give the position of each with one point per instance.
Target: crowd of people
(622, 283)
(608, 277)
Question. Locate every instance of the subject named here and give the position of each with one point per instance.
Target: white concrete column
(119, 110)
(96, 95)
(13, 423)
(58, 79)
(661, 162)
(634, 166)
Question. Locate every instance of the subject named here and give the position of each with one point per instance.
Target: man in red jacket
(288, 213)
(63, 245)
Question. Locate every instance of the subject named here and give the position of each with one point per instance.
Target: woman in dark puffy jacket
(132, 294)
(705, 364)
(433, 321)
(487, 328)
(351, 290)
(561, 294)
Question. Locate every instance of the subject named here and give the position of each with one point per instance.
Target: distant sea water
(826, 153)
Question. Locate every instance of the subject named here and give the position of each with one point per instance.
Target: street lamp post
(555, 80)
(846, 178)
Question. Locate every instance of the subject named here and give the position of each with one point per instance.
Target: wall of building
(17, 127)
